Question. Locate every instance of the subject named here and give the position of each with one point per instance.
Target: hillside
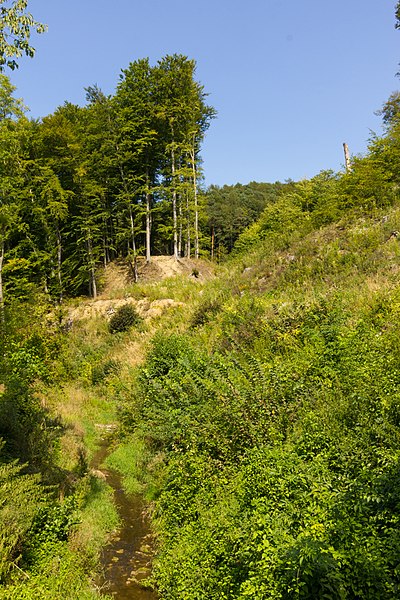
(275, 411)
(224, 427)
(118, 288)
(253, 406)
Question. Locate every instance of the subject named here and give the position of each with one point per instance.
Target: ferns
(19, 503)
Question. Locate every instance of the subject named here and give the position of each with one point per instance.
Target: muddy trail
(126, 560)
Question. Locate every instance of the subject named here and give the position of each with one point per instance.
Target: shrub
(206, 311)
(101, 371)
(125, 317)
(20, 498)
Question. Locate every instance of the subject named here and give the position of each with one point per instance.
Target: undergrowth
(274, 418)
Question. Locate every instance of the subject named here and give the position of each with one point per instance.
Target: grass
(130, 458)
(97, 520)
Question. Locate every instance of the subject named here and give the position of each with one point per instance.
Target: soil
(162, 267)
(117, 276)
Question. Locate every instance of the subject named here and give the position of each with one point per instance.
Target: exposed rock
(98, 474)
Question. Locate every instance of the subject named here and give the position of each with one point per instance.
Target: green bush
(20, 499)
(125, 317)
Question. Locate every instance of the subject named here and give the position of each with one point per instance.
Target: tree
(397, 16)
(137, 146)
(16, 26)
(390, 112)
(99, 148)
(10, 170)
(73, 197)
(183, 119)
(231, 209)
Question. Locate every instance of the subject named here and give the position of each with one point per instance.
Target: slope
(270, 419)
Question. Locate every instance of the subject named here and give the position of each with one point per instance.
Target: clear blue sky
(291, 79)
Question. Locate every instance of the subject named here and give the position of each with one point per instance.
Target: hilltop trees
(137, 150)
(184, 118)
(230, 209)
(161, 118)
(116, 178)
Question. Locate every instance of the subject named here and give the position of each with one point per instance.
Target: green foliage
(124, 318)
(59, 574)
(277, 224)
(266, 427)
(20, 498)
(205, 311)
(231, 209)
(53, 523)
(101, 371)
(131, 458)
(280, 436)
(16, 28)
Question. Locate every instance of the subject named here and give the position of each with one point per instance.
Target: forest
(117, 179)
(252, 400)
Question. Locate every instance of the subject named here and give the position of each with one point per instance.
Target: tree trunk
(347, 161)
(59, 261)
(126, 188)
(92, 272)
(148, 222)
(174, 213)
(104, 251)
(196, 208)
(135, 271)
(188, 240)
(212, 242)
(180, 230)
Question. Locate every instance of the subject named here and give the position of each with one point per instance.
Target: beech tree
(10, 170)
(137, 145)
(54, 201)
(117, 178)
(16, 26)
(390, 112)
(99, 148)
(184, 118)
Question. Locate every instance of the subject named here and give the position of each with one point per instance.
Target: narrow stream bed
(126, 560)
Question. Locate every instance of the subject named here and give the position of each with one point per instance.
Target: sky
(291, 80)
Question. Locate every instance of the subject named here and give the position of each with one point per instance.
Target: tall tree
(184, 117)
(137, 145)
(11, 109)
(99, 147)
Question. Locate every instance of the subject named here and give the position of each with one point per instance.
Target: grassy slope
(272, 415)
